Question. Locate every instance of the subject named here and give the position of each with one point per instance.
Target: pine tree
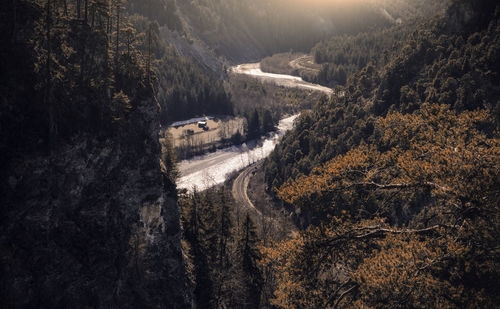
(254, 125)
(247, 257)
(195, 232)
(267, 121)
(221, 267)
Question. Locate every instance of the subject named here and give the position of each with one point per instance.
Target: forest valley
(386, 196)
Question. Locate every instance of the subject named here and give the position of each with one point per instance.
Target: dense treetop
(395, 180)
(398, 180)
(431, 65)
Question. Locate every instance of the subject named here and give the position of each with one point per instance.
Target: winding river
(211, 169)
(253, 69)
(206, 171)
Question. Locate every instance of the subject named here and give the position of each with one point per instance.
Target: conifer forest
(249, 154)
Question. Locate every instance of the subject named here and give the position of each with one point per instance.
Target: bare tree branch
(341, 296)
(402, 185)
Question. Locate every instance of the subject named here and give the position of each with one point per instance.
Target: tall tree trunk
(86, 10)
(129, 41)
(82, 43)
(14, 21)
(48, 89)
(117, 32)
(78, 9)
(109, 22)
(106, 82)
(92, 14)
(47, 35)
(149, 53)
(65, 4)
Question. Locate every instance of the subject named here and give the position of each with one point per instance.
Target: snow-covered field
(209, 170)
(253, 69)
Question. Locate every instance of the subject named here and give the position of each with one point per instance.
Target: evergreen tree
(194, 231)
(253, 125)
(267, 121)
(207, 226)
(221, 267)
(247, 256)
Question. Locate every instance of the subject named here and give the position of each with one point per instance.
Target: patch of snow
(253, 69)
(209, 170)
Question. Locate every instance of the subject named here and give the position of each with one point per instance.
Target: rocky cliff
(94, 224)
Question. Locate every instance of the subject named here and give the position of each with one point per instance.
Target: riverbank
(254, 70)
(203, 172)
(192, 139)
(296, 64)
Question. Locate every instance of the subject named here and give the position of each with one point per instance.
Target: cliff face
(93, 224)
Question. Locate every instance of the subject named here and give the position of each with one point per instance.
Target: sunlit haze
(249, 154)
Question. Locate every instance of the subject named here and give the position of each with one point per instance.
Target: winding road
(240, 186)
(212, 169)
(206, 171)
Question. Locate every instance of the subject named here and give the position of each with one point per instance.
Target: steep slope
(249, 30)
(92, 223)
(243, 31)
(89, 214)
(397, 182)
(431, 65)
(186, 84)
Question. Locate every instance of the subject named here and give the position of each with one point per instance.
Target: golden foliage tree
(410, 223)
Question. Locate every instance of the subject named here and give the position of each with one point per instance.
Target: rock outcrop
(94, 224)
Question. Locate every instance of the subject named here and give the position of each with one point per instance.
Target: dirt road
(306, 63)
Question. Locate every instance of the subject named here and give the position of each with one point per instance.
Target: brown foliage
(444, 255)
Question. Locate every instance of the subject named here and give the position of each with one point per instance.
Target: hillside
(433, 65)
(396, 183)
(243, 31)
(384, 194)
(89, 214)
